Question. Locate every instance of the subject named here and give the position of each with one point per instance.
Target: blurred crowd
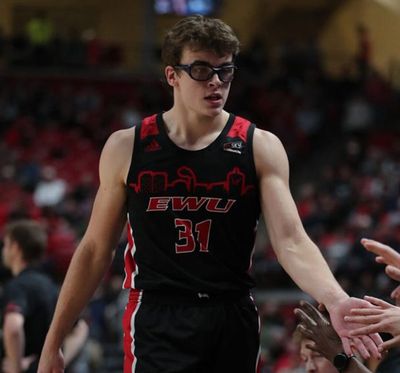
(39, 45)
(340, 134)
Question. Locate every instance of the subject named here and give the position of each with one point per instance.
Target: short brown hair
(30, 237)
(198, 33)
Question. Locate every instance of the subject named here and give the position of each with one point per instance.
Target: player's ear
(170, 75)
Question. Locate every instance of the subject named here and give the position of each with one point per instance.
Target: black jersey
(192, 215)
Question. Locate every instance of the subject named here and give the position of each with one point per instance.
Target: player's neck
(17, 267)
(191, 131)
(192, 125)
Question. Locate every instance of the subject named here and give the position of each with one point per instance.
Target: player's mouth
(214, 98)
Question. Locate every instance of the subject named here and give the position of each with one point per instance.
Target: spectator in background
(40, 33)
(314, 362)
(29, 297)
(363, 55)
(28, 303)
(3, 46)
(358, 115)
(51, 190)
(94, 48)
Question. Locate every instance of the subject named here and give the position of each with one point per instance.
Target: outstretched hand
(367, 343)
(8, 366)
(383, 318)
(385, 255)
(316, 327)
(51, 362)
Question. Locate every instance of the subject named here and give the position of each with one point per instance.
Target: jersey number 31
(186, 236)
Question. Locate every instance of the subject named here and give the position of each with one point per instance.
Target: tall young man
(192, 182)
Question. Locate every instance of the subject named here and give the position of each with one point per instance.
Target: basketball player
(192, 182)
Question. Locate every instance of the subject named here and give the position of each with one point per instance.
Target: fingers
(359, 345)
(304, 317)
(369, 319)
(396, 295)
(365, 312)
(380, 260)
(361, 303)
(391, 343)
(377, 302)
(393, 272)
(305, 331)
(386, 253)
(310, 310)
(377, 339)
(365, 330)
(313, 347)
(371, 346)
(346, 346)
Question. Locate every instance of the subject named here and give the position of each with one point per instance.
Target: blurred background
(323, 75)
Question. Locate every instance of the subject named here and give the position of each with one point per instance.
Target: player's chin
(214, 111)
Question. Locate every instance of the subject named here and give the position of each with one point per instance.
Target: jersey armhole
(250, 140)
(136, 141)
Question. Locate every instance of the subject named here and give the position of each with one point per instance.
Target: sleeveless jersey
(192, 215)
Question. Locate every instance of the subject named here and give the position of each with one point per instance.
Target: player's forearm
(14, 344)
(84, 274)
(75, 341)
(356, 366)
(305, 264)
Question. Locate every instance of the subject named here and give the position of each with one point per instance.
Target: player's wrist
(331, 300)
(341, 361)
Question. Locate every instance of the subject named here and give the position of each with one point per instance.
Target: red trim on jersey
(128, 323)
(130, 265)
(12, 307)
(149, 127)
(239, 129)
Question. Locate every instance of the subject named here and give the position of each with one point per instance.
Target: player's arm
(75, 341)
(14, 340)
(295, 251)
(95, 251)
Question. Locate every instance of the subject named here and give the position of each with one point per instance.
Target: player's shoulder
(117, 152)
(121, 139)
(269, 152)
(266, 139)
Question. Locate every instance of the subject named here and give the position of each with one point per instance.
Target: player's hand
(365, 343)
(8, 367)
(51, 362)
(316, 327)
(383, 318)
(395, 295)
(385, 255)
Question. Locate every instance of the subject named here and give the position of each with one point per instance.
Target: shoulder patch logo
(152, 146)
(234, 147)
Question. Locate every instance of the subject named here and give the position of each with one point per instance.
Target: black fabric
(391, 363)
(192, 214)
(34, 295)
(208, 338)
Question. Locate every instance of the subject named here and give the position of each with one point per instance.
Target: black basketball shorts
(196, 333)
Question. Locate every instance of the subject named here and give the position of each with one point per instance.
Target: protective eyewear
(203, 71)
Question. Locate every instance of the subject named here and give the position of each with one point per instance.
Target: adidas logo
(152, 146)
